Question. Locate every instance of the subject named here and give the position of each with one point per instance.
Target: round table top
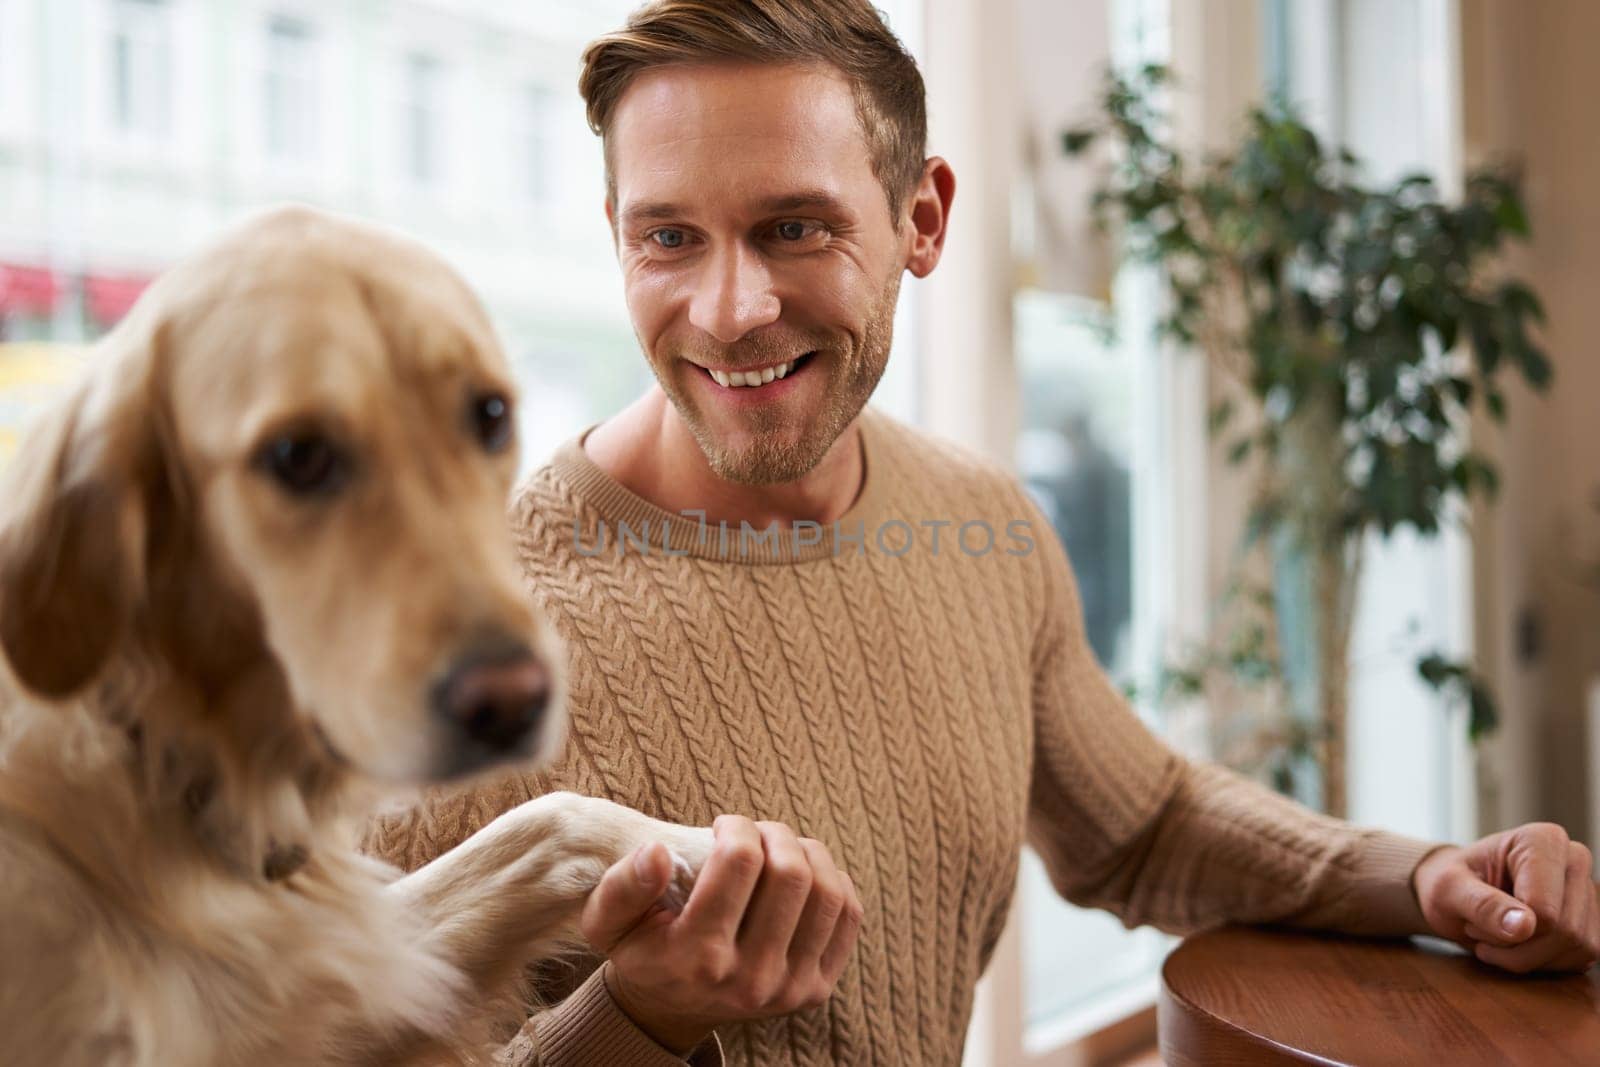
(1250, 996)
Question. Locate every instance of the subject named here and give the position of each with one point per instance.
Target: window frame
(278, 71)
(1171, 438)
(149, 25)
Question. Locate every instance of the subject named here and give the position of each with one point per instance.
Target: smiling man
(856, 648)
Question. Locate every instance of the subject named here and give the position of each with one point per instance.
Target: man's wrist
(675, 1034)
(1426, 873)
(1429, 865)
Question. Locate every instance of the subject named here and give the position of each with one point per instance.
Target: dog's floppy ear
(72, 531)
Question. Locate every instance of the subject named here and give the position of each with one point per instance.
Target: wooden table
(1244, 996)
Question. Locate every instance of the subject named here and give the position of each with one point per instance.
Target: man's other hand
(766, 931)
(1524, 899)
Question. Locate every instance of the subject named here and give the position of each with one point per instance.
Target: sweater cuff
(588, 1028)
(1379, 897)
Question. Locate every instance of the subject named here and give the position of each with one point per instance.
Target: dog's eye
(490, 416)
(304, 464)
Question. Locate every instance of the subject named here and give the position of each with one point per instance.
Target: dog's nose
(496, 700)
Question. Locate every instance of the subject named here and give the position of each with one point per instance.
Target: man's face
(755, 241)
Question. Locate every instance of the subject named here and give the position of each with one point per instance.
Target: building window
(537, 111)
(141, 68)
(289, 90)
(423, 118)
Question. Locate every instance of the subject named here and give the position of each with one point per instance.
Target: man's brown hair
(849, 35)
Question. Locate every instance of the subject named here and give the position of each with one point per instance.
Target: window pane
(538, 112)
(422, 77)
(141, 68)
(1074, 956)
(289, 89)
(1080, 418)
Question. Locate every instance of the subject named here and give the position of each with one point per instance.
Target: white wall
(1531, 82)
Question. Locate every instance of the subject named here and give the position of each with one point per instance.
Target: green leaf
(1441, 673)
(1512, 216)
(1220, 415)
(1483, 714)
(1261, 521)
(1077, 140)
(1518, 299)
(1436, 670)
(1535, 366)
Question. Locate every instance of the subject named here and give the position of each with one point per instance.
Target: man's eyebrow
(807, 199)
(651, 211)
(666, 211)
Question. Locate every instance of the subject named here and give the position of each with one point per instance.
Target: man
(782, 607)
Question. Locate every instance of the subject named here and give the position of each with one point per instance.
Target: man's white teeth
(750, 379)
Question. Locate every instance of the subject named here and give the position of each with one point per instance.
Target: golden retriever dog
(255, 574)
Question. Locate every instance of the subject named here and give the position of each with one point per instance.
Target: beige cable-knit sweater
(918, 710)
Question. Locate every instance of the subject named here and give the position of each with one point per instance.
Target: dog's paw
(689, 849)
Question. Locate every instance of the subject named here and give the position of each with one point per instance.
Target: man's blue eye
(792, 231)
(668, 238)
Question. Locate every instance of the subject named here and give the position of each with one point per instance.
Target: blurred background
(131, 131)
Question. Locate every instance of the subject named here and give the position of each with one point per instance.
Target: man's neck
(649, 449)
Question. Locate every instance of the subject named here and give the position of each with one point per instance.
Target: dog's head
(286, 476)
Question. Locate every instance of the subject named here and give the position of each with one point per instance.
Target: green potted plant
(1363, 323)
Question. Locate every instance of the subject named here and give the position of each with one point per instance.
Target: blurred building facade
(131, 131)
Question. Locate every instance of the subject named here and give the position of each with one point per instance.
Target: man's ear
(929, 213)
(72, 533)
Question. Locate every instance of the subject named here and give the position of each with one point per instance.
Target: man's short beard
(772, 460)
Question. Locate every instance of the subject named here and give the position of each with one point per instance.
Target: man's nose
(733, 295)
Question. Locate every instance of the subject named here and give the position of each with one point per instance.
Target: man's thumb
(625, 895)
(1491, 915)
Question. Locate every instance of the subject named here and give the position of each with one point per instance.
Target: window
(141, 69)
(352, 106)
(1104, 446)
(1096, 448)
(289, 90)
(537, 113)
(6, 63)
(1385, 82)
(422, 108)
(1090, 453)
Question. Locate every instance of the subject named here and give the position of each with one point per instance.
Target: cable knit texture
(919, 697)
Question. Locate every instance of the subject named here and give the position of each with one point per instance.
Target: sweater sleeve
(588, 1028)
(580, 1030)
(1125, 824)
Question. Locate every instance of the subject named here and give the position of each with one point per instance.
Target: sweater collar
(618, 519)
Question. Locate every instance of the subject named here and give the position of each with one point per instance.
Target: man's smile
(764, 379)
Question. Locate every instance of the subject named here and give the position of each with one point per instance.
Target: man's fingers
(781, 894)
(829, 893)
(837, 954)
(722, 892)
(625, 895)
(1487, 914)
(1538, 869)
(1579, 923)
(1559, 945)
(1514, 959)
